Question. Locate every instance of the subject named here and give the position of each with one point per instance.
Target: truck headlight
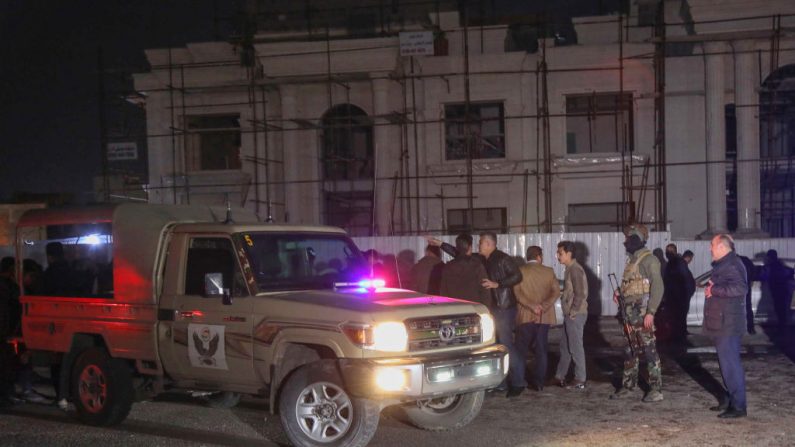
(390, 336)
(486, 327)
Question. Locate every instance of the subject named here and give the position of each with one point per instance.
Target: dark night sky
(49, 131)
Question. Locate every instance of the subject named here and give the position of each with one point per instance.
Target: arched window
(777, 113)
(777, 150)
(348, 168)
(347, 143)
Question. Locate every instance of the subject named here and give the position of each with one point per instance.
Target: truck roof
(256, 228)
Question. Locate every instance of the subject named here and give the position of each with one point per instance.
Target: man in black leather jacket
(503, 275)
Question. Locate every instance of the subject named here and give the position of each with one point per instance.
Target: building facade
(678, 114)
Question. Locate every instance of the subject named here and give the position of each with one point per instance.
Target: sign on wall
(123, 151)
(416, 43)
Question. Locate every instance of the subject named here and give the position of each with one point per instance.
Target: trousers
(571, 348)
(635, 313)
(728, 347)
(505, 320)
(535, 335)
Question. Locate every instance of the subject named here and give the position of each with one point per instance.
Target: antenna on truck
(270, 214)
(228, 219)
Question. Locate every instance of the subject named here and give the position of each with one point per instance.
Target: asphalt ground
(552, 417)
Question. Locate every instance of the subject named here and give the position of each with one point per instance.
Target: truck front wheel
(445, 413)
(316, 410)
(101, 388)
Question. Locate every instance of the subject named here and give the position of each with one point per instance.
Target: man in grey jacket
(575, 312)
(724, 322)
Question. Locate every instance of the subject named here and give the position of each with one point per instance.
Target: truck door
(209, 341)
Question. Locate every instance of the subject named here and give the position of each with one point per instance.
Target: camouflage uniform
(642, 287)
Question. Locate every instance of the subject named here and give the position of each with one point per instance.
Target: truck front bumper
(423, 377)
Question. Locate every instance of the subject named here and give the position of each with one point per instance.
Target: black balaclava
(633, 244)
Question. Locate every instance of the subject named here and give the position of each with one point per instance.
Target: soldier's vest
(633, 285)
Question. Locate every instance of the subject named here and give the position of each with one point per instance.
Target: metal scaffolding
(348, 180)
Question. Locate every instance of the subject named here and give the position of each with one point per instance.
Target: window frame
(193, 144)
(450, 122)
(470, 228)
(627, 105)
(182, 284)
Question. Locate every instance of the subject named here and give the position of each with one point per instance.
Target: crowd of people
(655, 290)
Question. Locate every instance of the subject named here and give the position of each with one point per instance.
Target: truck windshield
(299, 261)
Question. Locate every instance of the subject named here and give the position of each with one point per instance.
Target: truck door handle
(189, 314)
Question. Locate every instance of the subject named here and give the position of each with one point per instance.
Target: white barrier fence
(599, 253)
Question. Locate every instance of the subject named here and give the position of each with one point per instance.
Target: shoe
(514, 391)
(731, 413)
(63, 405)
(720, 407)
(538, 388)
(621, 393)
(653, 396)
(576, 386)
(560, 382)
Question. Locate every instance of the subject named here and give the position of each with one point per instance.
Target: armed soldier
(642, 287)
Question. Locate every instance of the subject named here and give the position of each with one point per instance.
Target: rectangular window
(483, 131)
(73, 260)
(599, 122)
(213, 255)
(213, 142)
(588, 217)
(352, 211)
(484, 219)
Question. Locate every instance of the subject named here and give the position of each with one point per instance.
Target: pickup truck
(139, 300)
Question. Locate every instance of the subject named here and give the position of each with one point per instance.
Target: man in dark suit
(724, 322)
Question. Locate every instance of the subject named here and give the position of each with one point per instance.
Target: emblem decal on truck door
(206, 346)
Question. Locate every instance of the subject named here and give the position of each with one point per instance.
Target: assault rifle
(633, 336)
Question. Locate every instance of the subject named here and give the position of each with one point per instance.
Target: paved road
(552, 417)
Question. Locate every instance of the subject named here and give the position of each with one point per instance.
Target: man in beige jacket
(535, 297)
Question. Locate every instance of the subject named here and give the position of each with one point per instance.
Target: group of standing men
(522, 301)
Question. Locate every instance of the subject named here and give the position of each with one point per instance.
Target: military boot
(621, 393)
(653, 396)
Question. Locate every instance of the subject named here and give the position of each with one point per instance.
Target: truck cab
(156, 298)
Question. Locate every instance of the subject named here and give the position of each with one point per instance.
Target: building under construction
(421, 116)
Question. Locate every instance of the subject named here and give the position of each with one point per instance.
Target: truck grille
(442, 332)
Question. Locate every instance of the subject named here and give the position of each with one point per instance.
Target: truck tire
(222, 399)
(316, 410)
(101, 387)
(445, 413)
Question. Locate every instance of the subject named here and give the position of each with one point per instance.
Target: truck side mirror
(213, 284)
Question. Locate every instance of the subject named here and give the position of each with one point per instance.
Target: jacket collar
(639, 252)
(729, 255)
